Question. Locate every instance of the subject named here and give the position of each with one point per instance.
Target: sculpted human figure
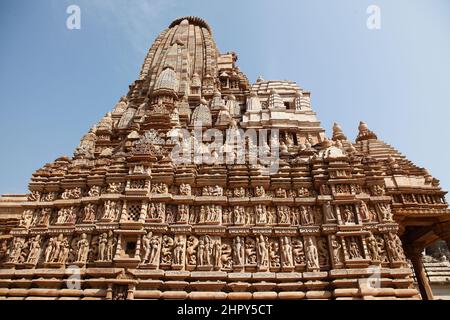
(83, 248)
(35, 250)
(354, 250)
(298, 251)
(166, 251)
(45, 216)
(295, 216)
(89, 213)
(336, 250)
(217, 253)
(312, 256)
(185, 189)
(103, 240)
(16, 250)
(286, 252)
(27, 217)
(364, 210)
(146, 245)
(262, 251)
(94, 191)
(110, 246)
(49, 249)
(238, 251)
(63, 251)
(386, 212)
(154, 245)
(260, 191)
(372, 246)
(305, 216)
(328, 211)
(201, 253)
(348, 215)
(208, 250)
(178, 252)
(56, 248)
(261, 217)
(191, 250)
(274, 256)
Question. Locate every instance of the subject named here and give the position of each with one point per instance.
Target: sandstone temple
(200, 185)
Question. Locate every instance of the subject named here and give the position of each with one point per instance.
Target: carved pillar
(415, 255)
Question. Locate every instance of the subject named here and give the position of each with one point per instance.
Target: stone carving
(34, 196)
(35, 250)
(183, 213)
(348, 216)
(364, 211)
(15, 255)
(212, 191)
(74, 193)
(386, 212)
(261, 214)
(178, 251)
(262, 252)
(26, 219)
(286, 252)
(89, 212)
(94, 191)
(306, 216)
(185, 189)
(260, 191)
(115, 187)
(82, 249)
(372, 247)
(125, 202)
(66, 216)
(394, 246)
(328, 212)
(337, 250)
(191, 250)
(284, 214)
(353, 249)
(126, 118)
(166, 250)
(57, 250)
(298, 252)
(312, 255)
(238, 251)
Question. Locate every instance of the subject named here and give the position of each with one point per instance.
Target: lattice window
(134, 211)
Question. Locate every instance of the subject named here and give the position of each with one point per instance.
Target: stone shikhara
(139, 223)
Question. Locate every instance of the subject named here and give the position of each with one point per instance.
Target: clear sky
(56, 83)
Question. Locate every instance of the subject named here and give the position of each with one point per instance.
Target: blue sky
(56, 83)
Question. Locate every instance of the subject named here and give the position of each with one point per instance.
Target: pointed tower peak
(364, 132)
(338, 134)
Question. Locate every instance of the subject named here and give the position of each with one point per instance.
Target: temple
(200, 185)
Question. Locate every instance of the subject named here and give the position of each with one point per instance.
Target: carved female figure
(83, 248)
(328, 211)
(102, 247)
(35, 250)
(178, 252)
(238, 251)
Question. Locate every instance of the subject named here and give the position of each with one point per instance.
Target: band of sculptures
(299, 246)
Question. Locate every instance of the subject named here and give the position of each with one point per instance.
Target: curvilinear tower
(200, 185)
